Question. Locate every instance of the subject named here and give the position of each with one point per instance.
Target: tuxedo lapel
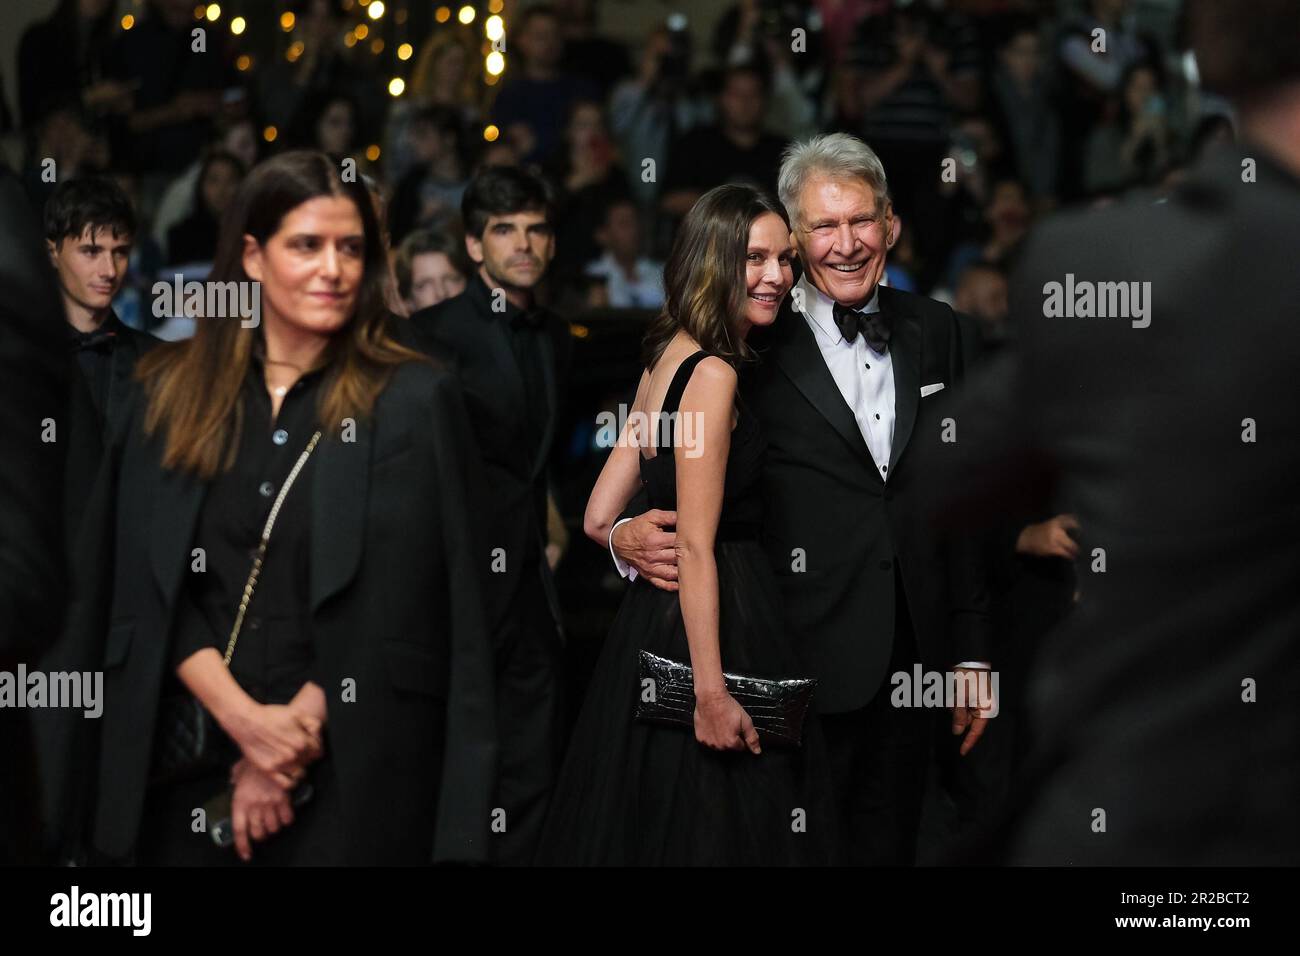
(175, 511)
(796, 352)
(905, 348)
(552, 401)
(339, 498)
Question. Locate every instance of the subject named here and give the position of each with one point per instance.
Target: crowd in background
(986, 115)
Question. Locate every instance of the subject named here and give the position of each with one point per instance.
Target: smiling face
(91, 267)
(514, 250)
(768, 273)
(311, 268)
(843, 238)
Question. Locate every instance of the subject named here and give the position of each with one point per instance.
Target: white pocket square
(931, 389)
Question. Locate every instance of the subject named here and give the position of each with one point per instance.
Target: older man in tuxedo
(853, 377)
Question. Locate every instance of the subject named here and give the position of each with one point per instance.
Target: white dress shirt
(864, 376)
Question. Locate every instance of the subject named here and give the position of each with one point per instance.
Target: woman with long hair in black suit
(292, 551)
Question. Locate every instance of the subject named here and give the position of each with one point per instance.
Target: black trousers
(879, 756)
(529, 705)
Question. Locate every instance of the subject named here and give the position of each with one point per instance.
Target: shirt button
(266, 489)
(280, 436)
(877, 416)
(868, 365)
(884, 468)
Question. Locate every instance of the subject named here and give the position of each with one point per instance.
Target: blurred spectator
(587, 177)
(445, 74)
(922, 68)
(327, 120)
(237, 136)
(628, 280)
(194, 238)
(735, 149)
(1096, 49)
(176, 91)
(846, 107)
(1131, 145)
(430, 191)
(1007, 218)
(649, 112)
(759, 33)
(326, 63)
(1022, 102)
(64, 139)
(981, 292)
(537, 95)
(603, 61)
(1211, 131)
(61, 59)
(431, 266)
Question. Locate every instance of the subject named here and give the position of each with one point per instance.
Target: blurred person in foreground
(1165, 710)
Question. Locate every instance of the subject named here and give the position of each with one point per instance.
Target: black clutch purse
(666, 695)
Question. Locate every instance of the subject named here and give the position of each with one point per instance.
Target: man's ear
(252, 258)
(895, 228)
(53, 248)
(474, 247)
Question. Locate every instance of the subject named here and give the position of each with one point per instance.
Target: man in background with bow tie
(512, 356)
(852, 377)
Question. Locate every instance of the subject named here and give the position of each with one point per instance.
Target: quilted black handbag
(666, 695)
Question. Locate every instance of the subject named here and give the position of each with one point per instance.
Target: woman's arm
(709, 402)
(620, 478)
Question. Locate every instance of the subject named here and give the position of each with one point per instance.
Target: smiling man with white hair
(852, 380)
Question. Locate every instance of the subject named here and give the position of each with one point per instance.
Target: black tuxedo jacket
(1139, 701)
(394, 605)
(512, 501)
(834, 529)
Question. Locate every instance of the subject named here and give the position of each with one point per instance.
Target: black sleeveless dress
(638, 794)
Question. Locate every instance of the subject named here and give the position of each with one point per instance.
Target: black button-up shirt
(273, 656)
(94, 354)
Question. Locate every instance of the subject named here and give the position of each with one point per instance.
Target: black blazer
(395, 606)
(824, 495)
(1138, 699)
(466, 331)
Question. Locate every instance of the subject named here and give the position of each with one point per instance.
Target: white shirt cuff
(977, 665)
(624, 569)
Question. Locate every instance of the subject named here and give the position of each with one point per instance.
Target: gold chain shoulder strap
(251, 583)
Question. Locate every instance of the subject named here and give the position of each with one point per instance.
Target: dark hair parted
(504, 191)
(704, 278)
(193, 386)
(94, 201)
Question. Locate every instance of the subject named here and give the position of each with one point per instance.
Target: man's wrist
(625, 570)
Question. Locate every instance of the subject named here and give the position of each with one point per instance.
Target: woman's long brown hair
(705, 275)
(193, 386)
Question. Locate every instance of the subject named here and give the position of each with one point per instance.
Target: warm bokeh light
(491, 80)
(376, 46)
(404, 51)
(494, 27)
(495, 6)
(243, 63)
(213, 12)
(294, 51)
(362, 31)
(200, 11)
(286, 21)
(442, 14)
(372, 153)
(396, 86)
(495, 63)
(376, 9)
(490, 133)
(400, 17)
(128, 22)
(270, 133)
(466, 15)
(237, 26)
(350, 39)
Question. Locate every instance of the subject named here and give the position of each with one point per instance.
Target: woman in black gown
(633, 793)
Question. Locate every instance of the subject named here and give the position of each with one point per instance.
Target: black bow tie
(873, 326)
(101, 340)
